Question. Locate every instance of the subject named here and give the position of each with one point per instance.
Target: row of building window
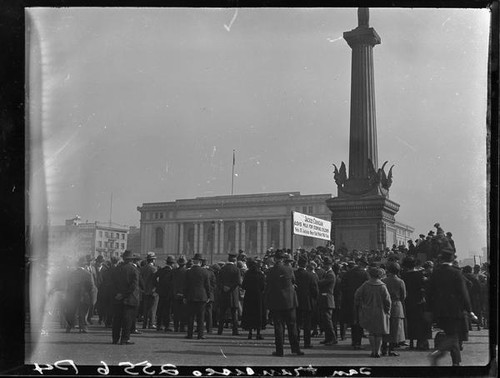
(111, 234)
(110, 245)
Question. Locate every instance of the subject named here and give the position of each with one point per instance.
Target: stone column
(282, 234)
(288, 233)
(222, 238)
(202, 238)
(265, 243)
(196, 239)
(363, 126)
(216, 237)
(181, 238)
(243, 236)
(236, 236)
(259, 238)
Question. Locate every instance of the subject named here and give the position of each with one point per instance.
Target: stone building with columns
(217, 225)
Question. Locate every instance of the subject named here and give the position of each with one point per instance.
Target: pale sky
(148, 104)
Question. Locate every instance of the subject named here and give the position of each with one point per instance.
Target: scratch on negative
(228, 27)
(222, 353)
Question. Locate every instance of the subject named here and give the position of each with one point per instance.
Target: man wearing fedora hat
(282, 302)
(163, 280)
(179, 308)
(326, 302)
(448, 299)
(126, 300)
(307, 293)
(228, 282)
(78, 296)
(150, 296)
(196, 295)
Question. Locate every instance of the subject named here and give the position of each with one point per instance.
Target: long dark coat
(197, 285)
(253, 315)
(163, 281)
(415, 305)
(351, 281)
(280, 292)
(126, 278)
(326, 286)
(178, 281)
(307, 289)
(79, 288)
(228, 281)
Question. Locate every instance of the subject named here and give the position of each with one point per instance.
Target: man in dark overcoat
(126, 300)
(307, 293)
(448, 299)
(209, 306)
(196, 295)
(164, 288)
(351, 281)
(228, 282)
(106, 290)
(326, 302)
(178, 279)
(78, 296)
(282, 302)
(150, 296)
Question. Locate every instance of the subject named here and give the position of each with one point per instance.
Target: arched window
(159, 238)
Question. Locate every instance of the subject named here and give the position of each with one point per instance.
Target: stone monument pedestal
(363, 222)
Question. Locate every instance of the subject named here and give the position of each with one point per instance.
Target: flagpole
(232, 175)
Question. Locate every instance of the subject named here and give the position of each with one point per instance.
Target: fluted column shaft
(363, 126)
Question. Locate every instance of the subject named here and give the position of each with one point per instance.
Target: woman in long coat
(397, 291)
(415, 304)
(253, 316)
(373, 305)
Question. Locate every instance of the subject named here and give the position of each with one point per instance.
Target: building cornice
(242, 200)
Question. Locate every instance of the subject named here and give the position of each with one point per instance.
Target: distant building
(217, 225)
(134, 239)
(76, 239)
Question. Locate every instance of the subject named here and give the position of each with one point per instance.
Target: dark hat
(181, 260)
(327, 261)
(232, 254)
(302, 259)
(99, 258)
(197, 256)
(170, 259)
(393, 267)
(361, 260)
(431, 232)
(422, 235)
(136, 256)
(151, 255)
(449, 234)
(287, 257)
(279, 254)
(428, 264)
(127, 255)
(436, 225)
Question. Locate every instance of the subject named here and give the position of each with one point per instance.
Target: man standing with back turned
(448, 299)
(282, 302)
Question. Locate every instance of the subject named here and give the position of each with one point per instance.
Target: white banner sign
(307, 225)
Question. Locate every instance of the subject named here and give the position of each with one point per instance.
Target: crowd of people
(392, 296)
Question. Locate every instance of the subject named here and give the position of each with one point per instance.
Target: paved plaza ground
(161, 348)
